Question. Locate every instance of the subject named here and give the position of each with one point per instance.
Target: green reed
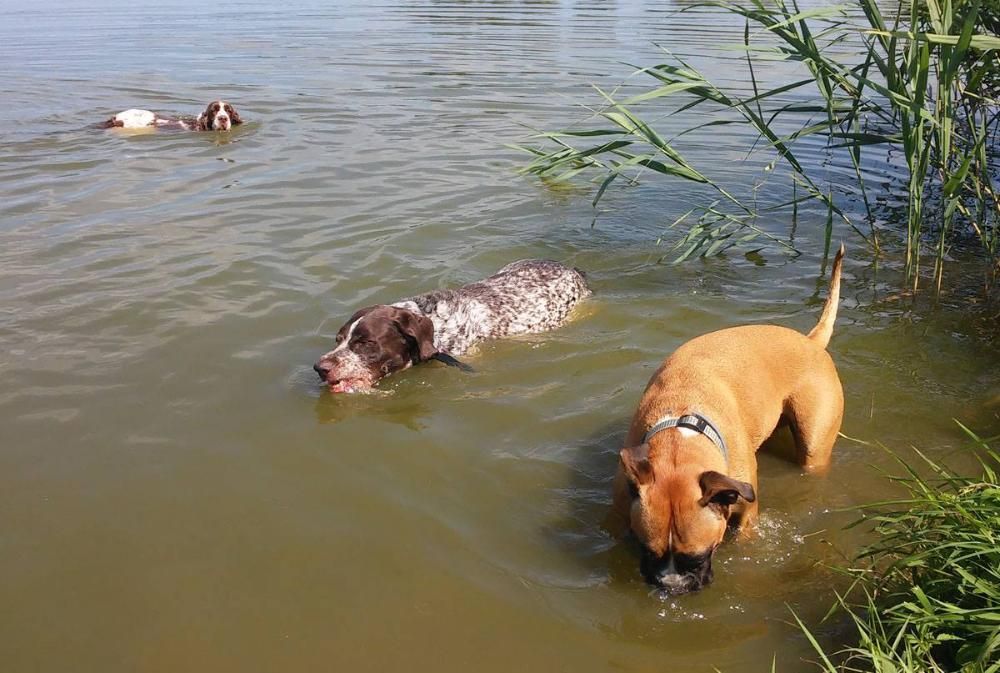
(930, 586)
(923, 81)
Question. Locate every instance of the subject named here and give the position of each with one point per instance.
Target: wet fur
(218, 116)
(677, 494)
(523, 297)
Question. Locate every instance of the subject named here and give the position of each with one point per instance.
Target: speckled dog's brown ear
(421, 330)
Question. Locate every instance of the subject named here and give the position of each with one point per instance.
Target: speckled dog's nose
(323, 369)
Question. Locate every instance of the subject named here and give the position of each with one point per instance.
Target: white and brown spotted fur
(527, 296)
(218, 116)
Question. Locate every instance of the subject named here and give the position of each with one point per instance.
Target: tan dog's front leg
(743, 519)
(746, 521)
(617, 521)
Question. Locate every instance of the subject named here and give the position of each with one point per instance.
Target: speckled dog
(532, 295)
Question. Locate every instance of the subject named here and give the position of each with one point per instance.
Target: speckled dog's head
(374, 343)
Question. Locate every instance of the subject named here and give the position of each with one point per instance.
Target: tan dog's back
(752, 374)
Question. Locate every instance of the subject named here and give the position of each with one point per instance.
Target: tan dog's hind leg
(815, 416)
(746, 524)
(617, 521)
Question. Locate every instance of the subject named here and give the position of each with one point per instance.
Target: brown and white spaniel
(218, 116)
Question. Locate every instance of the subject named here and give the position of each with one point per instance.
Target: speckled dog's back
(530, 295)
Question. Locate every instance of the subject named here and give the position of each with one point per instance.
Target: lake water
(177, 492)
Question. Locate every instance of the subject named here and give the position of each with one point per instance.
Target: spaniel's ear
(235, 116)
(114, 122)
(205, 118)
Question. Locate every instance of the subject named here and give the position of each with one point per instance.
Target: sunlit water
(177, 493)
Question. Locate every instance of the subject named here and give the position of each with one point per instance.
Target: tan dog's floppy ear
(421, 330)
(723, 490)
(635, 460)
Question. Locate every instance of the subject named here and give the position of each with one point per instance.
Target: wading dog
(532, 295)
(218, 116)
(689, 467)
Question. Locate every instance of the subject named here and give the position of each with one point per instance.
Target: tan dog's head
(678, 513)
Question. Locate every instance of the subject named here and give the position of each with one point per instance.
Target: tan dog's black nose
(677, 573)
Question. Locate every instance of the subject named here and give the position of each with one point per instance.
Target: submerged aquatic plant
(930, 585)
(921, 83)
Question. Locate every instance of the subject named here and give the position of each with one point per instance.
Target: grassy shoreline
(926, 594)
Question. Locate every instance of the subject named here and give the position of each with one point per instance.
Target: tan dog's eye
(633, 490)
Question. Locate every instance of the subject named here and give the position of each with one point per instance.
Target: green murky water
(178, 493)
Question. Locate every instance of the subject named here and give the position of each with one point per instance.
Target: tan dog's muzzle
(677, 573)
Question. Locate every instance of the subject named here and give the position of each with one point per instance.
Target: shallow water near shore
(177, 492)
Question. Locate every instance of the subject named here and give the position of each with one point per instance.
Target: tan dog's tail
(823, 330)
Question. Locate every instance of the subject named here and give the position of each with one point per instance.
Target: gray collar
(695, 422)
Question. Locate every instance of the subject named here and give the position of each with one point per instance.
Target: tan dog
(689, 468)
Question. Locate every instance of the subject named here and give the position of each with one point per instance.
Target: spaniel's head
(219, 116)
